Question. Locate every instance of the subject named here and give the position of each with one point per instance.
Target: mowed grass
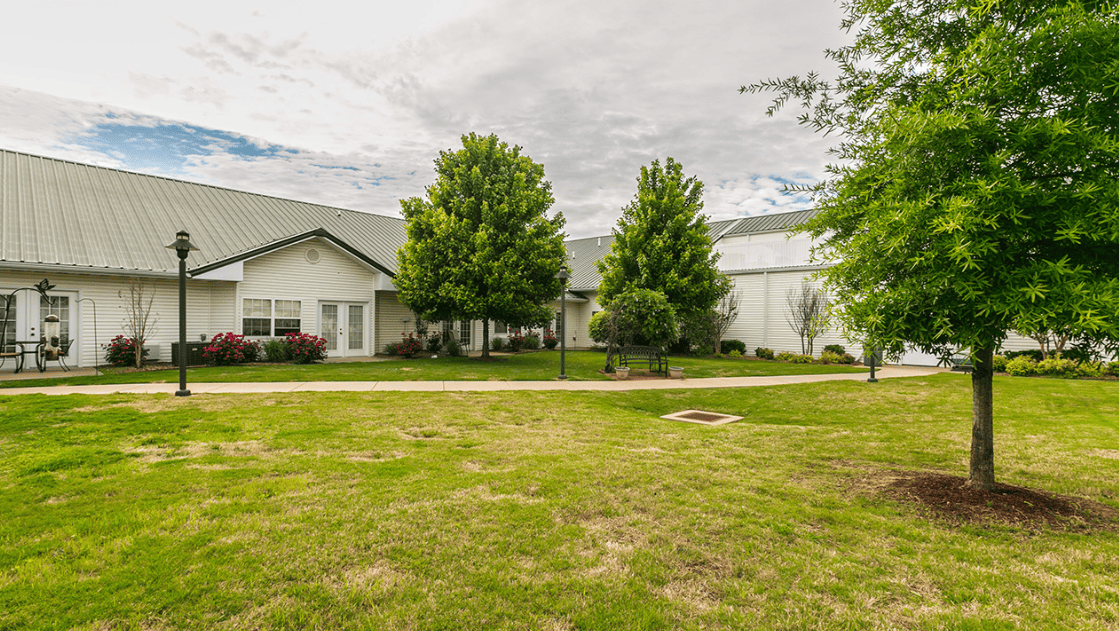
(547, 510)
(539, 366)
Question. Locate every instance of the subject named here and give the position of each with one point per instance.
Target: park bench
(650, 355)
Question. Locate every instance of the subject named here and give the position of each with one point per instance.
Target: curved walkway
(889, 372)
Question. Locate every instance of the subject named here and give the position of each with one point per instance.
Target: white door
(28, 312)
(343, 325)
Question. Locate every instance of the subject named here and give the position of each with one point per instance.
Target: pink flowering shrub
(550, 340)
(304, 348)
(410, 346)
(226, 349)
(121, 351)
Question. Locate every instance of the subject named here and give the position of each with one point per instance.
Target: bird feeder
(52, 331)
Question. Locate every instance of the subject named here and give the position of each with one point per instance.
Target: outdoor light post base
(182, 393)
(562, 377)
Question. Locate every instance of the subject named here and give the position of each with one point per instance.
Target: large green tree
(977, 187)
(481, 246)
(661, 243)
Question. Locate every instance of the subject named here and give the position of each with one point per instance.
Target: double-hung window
(270, 318)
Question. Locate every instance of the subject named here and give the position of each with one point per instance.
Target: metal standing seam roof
(61, 213)
(775, 222)
(56, 212)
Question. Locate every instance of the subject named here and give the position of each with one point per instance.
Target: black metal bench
(650, 355)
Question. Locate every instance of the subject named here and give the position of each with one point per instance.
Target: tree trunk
(485, 338)
(982, 474)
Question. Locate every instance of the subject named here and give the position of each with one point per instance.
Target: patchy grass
(541, 366)
(547, 510)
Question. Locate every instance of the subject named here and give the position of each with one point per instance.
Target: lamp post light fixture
(182, 246)
(563, 275)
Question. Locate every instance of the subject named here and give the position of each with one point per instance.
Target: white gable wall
(289, 274)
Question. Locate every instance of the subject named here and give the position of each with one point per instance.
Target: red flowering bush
(121, 351)
(515, 342)
(226, 349)
(304, 348)
(410, 346)
(550, 340)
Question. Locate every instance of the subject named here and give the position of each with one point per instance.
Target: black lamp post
(873, 357)
(563, 275)
(182, 246)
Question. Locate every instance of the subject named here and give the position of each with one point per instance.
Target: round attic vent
(313, 255)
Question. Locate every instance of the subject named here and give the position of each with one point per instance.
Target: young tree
(640, 316)
(661, 244)
(480, 246)
(723, 315)
(139, 323)
(978, 185)
(807, 312)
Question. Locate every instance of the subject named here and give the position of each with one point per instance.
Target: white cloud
(591, 89)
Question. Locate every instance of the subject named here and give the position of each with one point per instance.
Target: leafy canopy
(480, 246)
(661, 244)
(977, 190)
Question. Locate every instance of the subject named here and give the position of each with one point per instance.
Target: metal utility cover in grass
(701, 417)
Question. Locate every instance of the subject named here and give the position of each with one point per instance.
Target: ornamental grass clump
(226, 349)
(304, 348)
(532, 342)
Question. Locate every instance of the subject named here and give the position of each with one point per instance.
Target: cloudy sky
(348, 104)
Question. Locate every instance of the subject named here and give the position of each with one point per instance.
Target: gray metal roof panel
(774, 222)
(64, 213)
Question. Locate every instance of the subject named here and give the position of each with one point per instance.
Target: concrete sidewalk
(889, 372)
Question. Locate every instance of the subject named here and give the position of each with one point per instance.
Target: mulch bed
(949, 498)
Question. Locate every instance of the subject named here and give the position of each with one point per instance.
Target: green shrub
(1112, 369)
(392, 348)
(532, 342)
(803, 359)
(1058, 367)
(783, 356)
(726, 346)
(599, 328)
(1090, 369)
(703, 351)
(121, 351)
(999, 362)
(835, 348)
(1021, 366)
(453, 349)
(831, 357)
(550, 340)
(1034, 354)
(847, 358)
(735, 354)
(497, 343)
(764, 353)
(515, 342)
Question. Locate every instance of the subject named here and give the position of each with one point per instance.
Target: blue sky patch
(167, 147)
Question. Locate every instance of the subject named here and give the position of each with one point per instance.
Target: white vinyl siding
(296, 286)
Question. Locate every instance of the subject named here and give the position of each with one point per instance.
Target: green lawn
(541, 366)
(547, 510)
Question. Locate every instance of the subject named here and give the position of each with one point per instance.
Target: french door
(345, 328)
(29, 311)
